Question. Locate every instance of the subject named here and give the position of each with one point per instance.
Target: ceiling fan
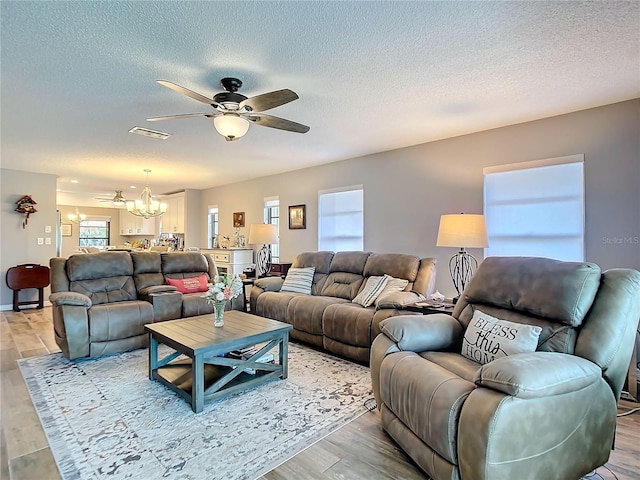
(233, 111)
(118, 199)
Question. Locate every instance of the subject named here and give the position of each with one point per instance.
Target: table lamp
(462, 231)
(263, 234)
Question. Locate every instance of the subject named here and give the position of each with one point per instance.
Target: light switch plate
(47, 241)
(40, 241)
(47, 229)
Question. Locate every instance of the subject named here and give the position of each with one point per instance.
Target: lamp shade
(231, 126)
(462, 231)
(263, 234)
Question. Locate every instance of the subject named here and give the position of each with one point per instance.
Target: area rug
(105, 419)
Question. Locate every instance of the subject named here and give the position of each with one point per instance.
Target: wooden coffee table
(207, 374)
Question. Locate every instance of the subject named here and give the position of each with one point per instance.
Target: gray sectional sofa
(327, 317)
(101, 301)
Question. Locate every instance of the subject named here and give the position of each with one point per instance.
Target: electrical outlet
(47, 229)
(40, 241)
(47, 241)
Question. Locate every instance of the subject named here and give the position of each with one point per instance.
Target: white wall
(407, 190)
(20, 245)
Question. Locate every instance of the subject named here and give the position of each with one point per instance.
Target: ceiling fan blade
(263, 102)
(184, 115)
(276, 122)
(187, 92)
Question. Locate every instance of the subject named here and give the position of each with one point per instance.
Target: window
(212, 222)
(341, 219)
(94, 233)
(272, 216)
(536, 208)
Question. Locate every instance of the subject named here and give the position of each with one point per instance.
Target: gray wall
(407, 190)
(20, 245)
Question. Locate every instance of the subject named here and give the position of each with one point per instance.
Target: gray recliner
(547, 414)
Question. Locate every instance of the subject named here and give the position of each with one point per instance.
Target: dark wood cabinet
(279, 269)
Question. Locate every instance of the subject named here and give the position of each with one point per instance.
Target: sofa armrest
(538, 374)
(156, 289)
(420, 333)
(70, 298)
(269, 284)
(399, 300)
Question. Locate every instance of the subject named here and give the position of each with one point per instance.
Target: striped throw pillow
(299, 280)
(393, 285)
(371, 290)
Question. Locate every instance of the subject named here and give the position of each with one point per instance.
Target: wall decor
(26, 206)
(238, 219)
(66, 230)
(297, 217)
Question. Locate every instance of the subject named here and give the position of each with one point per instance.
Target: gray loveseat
(327, 317)
(101, 301)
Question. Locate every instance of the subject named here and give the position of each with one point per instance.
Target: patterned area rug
(105, 419)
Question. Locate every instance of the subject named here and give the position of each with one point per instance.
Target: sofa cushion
(190, 285)
(194, 304)
(146, 270)
(99, 266)
(304, 312)
(115, 321)
(397, 265)
(372, 289)
(321, 261)
(551, 289)
(349, 323)
(107, 289)
(299, 280)
(488, 338)
(275, 305)
(185, 262)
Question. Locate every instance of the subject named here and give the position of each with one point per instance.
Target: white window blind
(341, 219)
(536, 209)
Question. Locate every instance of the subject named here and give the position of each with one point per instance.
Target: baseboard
(9, 306)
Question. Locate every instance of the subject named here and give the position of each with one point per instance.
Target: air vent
(149, 133)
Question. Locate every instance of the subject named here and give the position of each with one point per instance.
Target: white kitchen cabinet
(173, 220)
(231, 261)
(134, 225)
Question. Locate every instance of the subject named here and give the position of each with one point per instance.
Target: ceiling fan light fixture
(230, 126)
(118, 199)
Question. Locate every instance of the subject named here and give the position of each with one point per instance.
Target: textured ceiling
(371, 76)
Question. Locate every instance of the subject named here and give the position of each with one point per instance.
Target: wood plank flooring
(359, 450)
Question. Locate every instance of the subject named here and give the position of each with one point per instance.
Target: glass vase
(218, 310)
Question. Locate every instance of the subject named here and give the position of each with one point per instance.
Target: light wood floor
(360, 450)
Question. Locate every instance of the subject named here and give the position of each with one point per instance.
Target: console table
(232, 260)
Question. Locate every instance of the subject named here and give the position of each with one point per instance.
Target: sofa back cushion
(104, 277)
(321, 261)
(146, 269)
(396, 265)
(183, 264)
(553, 295)
(346, 275)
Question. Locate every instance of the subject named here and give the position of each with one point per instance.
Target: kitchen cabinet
(134, 225)
(173, 220)
(231, 261)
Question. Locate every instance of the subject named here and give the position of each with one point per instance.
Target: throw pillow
(488, 338)
(393, 285)
(371, 290)
(299, 280)
(190, 285)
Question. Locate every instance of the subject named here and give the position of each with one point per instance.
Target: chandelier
(146, 207)
(77, 217)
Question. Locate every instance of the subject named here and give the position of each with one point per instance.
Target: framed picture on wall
(65, 230)
(238, 219)
(297, 217)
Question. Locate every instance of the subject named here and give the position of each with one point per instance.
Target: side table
(426, 308)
